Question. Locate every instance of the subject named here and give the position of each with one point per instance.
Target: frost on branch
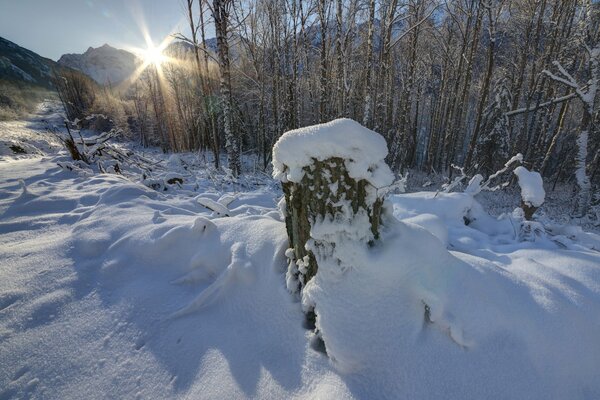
(334, 178)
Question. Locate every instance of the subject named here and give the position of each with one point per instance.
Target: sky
(52, 28)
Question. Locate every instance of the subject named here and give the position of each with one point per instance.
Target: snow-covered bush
(457, 181)
(477, 183)
(528, 230)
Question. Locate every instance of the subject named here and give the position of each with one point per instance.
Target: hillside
(25, 80)
(18, 64)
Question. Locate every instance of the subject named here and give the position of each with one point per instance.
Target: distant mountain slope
(19, 64)
(180, 48)
(107, 64)
(104, 64)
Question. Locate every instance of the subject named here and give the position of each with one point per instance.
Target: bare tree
(220, 11)
(587, 93)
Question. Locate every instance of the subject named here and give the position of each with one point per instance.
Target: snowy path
(109, 289)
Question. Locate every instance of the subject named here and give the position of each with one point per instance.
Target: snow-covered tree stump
(332, 177)
(532, 191)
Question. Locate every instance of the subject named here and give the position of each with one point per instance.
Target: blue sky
(55, 27)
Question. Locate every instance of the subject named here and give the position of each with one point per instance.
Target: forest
(466, 83)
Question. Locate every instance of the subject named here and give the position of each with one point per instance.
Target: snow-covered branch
(542, 105)
(567, 79)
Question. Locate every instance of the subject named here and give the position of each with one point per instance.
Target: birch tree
(220, 11)
(586, 92)
(368, 91)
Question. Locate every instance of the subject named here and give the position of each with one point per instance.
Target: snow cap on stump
(362, 150)
(532, 186)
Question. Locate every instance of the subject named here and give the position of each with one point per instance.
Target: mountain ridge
(104, 64)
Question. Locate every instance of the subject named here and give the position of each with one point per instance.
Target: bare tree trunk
(492, 15)
(322, 11)
(221, 17)
(554, 140)
(340, 60)
(368, 101)
(455, 107)
(583, 180)
(407, 126)
(211, 117)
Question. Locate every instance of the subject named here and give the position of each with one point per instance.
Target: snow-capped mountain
(20, 64)
(105, 64)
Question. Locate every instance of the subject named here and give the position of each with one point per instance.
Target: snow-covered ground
(109, 288)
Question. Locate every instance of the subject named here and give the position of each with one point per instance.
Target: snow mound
(409, 312)
(532, 186)
(431, 223)
(450, 207)
(362, 149)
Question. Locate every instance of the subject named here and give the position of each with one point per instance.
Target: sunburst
(154, 56)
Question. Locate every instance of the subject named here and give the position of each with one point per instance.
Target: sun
(154, 56)
(151, 57)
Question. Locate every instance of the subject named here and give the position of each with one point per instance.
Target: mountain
(107, 64)
(18, 64)
(178, 49)
(104, 64)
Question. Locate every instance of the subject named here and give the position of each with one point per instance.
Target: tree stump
(325, 191)
(332, 175)
(528, 210)
(532, 191)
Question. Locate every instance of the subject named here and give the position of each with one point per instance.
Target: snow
(431, 223)
(532, 186)
(483, 329)
(108, 286)
(29, 137)
(215, 206)
(363, 151)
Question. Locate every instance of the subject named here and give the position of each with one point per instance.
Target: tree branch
(413, 27)
(546, 104)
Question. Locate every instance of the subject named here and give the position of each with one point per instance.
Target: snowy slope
(24, 139)
(111, 289)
